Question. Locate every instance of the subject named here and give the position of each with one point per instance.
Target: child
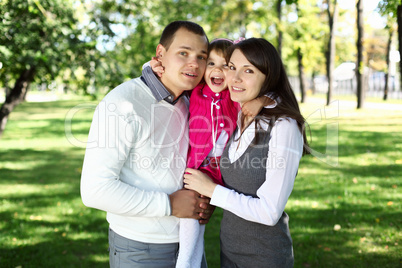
(213, 117)
(254, 231)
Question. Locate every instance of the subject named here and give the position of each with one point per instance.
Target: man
(136, 154)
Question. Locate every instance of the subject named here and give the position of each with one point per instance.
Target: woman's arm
(198, 181)
(285, 150)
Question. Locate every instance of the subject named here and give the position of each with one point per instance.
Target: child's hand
(156, 66)
(198, 181)
(253, 107)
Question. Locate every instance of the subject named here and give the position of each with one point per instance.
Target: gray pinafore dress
(245, 243)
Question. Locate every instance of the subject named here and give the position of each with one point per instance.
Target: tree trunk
(301, 76)
(313, 87)
(387, 74)
(331, 49)
(360, 60)
(279, 26)
(399, 19)
(16, 96)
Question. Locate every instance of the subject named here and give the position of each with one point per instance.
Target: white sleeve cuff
(220, 196)
(276, 101)
(146, 65)
(168, 206)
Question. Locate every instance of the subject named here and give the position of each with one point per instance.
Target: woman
(259, 164)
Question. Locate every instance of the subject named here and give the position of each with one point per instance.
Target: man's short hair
(170, 30)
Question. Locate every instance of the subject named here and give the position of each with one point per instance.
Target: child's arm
(253, 107)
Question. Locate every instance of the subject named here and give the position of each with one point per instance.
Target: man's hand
(208, 211)
(189, 204)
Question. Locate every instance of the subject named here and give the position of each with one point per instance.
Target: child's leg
(199, 247)
(191, 244)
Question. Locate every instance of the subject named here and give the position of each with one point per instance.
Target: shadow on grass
(42, 166)
(49, 119)
(29, 108)
(50, 128)
(43, 221)
(46, 225)
(357, 197)
(354, 142)
(58, 248)
(317, 244)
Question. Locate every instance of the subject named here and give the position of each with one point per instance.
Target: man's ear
(160, 51)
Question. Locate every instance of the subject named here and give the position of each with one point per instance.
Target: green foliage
(388, 7)
(308, 34)
(44, 34)
(128, 33)
(92, 46)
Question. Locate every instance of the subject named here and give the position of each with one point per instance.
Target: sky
(373, 18)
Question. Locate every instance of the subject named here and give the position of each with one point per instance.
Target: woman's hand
(198, 181)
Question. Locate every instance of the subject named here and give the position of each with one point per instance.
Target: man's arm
(110, 141)
(102, 189)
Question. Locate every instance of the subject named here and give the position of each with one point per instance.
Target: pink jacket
(210, 113)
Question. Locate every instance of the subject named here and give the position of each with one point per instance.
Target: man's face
(184, 61)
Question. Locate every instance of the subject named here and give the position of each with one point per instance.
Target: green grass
(43, 222)
(345, 209)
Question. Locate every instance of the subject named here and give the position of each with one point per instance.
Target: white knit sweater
(135, 157)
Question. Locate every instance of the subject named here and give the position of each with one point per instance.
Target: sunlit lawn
(345, 210)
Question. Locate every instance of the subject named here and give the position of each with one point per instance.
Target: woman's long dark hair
(263, 55)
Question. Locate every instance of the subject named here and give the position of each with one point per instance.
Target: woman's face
(244, 79)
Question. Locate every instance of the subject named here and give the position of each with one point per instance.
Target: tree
(302, 77)
(377, 45)
(141, 23)
(360, 59)
(279, 26)
(393, 9)
(264, 21)
(387, 74)
(234, 20)
(38, 39)
(332, 19)
(307, 33)
(399, 19)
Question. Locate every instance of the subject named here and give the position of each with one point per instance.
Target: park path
(348, 104)
(343, 104)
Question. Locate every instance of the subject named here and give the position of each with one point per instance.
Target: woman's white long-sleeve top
(285, 151)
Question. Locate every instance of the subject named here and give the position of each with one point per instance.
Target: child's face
(215, 73)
